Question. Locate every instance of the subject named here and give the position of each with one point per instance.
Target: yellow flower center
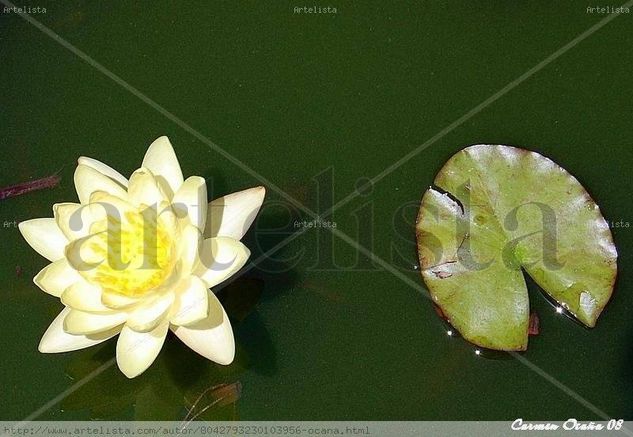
(136, 253)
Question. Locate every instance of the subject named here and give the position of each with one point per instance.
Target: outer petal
(150, 314)
(88, 180)
(136, 351)
(144, 189)
(161, 160)
(74, 219)
(104, 169)
(211, 337)
(55, 339)
(56, 277)
(84, 296)
(232, 215)
(220, 258)
(80, 322)
(45, 237)
(190, 201)
(192, 302)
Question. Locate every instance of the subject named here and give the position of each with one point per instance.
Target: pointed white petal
(232, 215)
(84, 255)
(84, 296)
(145, 190)
(56, 340)
(150, 313)
(88, 180)
(190, 246)
(136, 351)
(168, 218)
(74, 219)
(211, 337)
(192, 302)
(80, 322)
(104, 169)
(56, 277)
(114, 300)
(190, 202)
(161, 159)
(220, 258)
(103, 204)
(45, 237)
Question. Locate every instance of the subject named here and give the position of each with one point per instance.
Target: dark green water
(297, 98)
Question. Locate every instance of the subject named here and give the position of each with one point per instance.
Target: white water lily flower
(137, 257)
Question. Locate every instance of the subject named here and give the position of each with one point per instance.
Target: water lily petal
(83, 254)
(211, 337)
(56, 277)
(220, 258)
(192, 302)
(104, 204)
(81, 322)
(190, 201)
(149, 314)
(55, 339)
(45, 237)
(74, 219)
(168, 218)
(136, 351)
(190, 245)
(104, 169)
(115, 300)
(232, 215)
(161, 159)
(88, 180)
(145, 190)
(84, 296)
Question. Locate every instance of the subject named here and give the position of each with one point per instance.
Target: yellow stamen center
(136, 253)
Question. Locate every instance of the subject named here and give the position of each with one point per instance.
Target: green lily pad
(504, 210)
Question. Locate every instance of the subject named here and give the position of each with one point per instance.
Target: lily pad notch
(498, 210)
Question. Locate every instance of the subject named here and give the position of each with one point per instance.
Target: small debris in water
(439, 312)
(534, 327)
(27, 187)
(219, 395)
